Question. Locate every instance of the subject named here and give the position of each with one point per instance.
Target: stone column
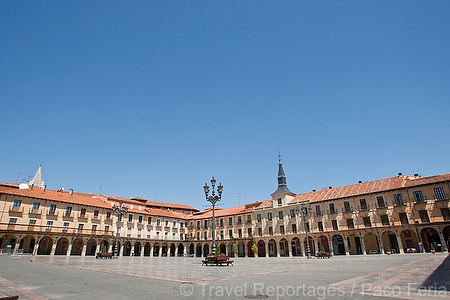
(97, 248)
(266, 247)
(160, 251)
(121, 249)
(52, 252)
(16, 246)
(302, 246)
(110, 247)
(151, 250)
(83, 251)
(318, 249)
(347, 251)
(35, 249)
(69, 249)
(400, 244)
(363, 245)
(142, 250)
(132, 250)
(245, 250)
(176, 250)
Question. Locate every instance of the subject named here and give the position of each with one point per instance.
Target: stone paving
(409, 276)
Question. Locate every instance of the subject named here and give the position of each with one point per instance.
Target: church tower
(282, 196)
(37, 179)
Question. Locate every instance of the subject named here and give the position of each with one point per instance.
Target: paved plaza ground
(408, 276)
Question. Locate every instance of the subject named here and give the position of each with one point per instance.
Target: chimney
(45, 187)
(400, 174)
(71, 192)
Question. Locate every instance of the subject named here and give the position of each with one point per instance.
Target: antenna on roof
(100, 190)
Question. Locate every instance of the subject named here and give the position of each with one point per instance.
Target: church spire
(37, 179)
(282, 185)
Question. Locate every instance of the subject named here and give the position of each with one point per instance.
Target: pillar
(363, 245)
(151, 250)
(318, 249)
(160, 250)
(121, 249)
(245, 250)
(83, 251)
(69, 249)
(347, 251)
(266, 245)
(110, 247)
(132, 250)
(142, 250)
(52, 252)
(97, 248)
(176, 250)
(36, 247)
(400, 244)
(16, 246)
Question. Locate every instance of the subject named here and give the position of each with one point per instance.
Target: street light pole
(305, 214)
(213, 198)
(120, 210)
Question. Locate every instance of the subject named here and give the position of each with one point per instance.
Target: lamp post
(213, 198)
(120, 210)
(304, 212)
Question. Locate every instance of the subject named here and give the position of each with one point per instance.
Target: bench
(104, 255)
(217, 260)
(323, 254)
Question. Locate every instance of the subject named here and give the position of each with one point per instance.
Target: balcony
(317, 214)
(347, 209)
(82, 218)
(16, 211)
(332, 212)
(52, 214)
(35, 212)
(381, 205)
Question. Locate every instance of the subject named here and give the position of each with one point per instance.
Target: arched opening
(45, 246)
(354, 244)
(137, 249)
(312, 248)
(223, 249)
(295, 247)
(241, 250)
(61, 246)
(272, 248)
(165, 248)
(104, 246)
(199, 250)
(147, 247)
(323, 244)
(8, 241)
(430, 237)
(77, 246)
(156, 250)
(390, 242)
(249, 249)
(261, 248)
(371, 243)
(126, 248)
(338, 245)
(172, 249)
(27, 244)
(91, 247)
(284, 247)
(409, 241)
(180, 249)
(446, 233)
(205, 250)
(191, 249)
(116, 248)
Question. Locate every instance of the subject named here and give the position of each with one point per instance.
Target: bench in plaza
(104, 255)
(217, 260)
(323, 254)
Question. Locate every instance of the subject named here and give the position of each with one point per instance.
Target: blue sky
(153, 98)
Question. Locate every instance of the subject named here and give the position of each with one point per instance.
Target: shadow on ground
(440, 277)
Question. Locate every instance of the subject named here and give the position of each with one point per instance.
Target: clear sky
(152, 98)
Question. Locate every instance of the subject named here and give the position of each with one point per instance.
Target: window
(129, 230)
(182, 225)
(367, 222)
(31, 224)
(281, 229)
(65, 226)
(130, 217)
(198, 236)
(52, 209)
(174, 224)
(68, 210)
(158, 222)
(139, 233)
(166, 223)
(294, 228)
(445, 211)
(332, 208)
(83, 213)
(318, 210)
(403, 218)
(269, 216)
(230, 233)
(240, 233)
(363, 204)
(279, 201)
(423, 214)
(94, 228)
(140, 219)
(270, 230)
(307, 227)
(205, 235)
(350, 224)
(258, 217)
(260, 231)
(280, 215)
(439, 193)
(334, 224)
(249, 219)
(385, 220)
(221, 222)
(292, 213)
(11, 223)
(149, 220)
(205, 224)
(80, 228)
(17, 203)
(418, 196)
(108, 215)
(230, 221)
(49, 225)
(96, 212)
(36, 205)
(320, 225)
(347, 207)
(106, 229)
(249, 232)
(239, 221)
(380, 202)
(398, 199)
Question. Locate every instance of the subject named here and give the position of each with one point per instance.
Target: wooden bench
(104, 255)
(323, 254)
(217, 260)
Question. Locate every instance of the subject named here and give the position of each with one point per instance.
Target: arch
(446, 233)
(241, 250)
(389, 241)
(284, 247)
(172, 249)
(191, 249)
(147, 248)
(77, 246)
(45, 246)
(61, 246)
(137, 249)
(354, 244)
(323, 242)
(371, 243)
(338, 245)
(126, 249)
(8, 241)
(223, 249)
(409, 240)
(180, 249)
(156, 249)
(199, 250)
(104, 246)
(430, 236)
(249, 249)
(91, 247)
(205, 250)
(164, 249)
(272, 248)
(312, 247)
(261, 248)
(296, 249)
(116, 249)
(27, 244)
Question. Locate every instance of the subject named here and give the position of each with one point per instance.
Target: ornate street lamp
(213, 199)
(120, 210)
(305, 213)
